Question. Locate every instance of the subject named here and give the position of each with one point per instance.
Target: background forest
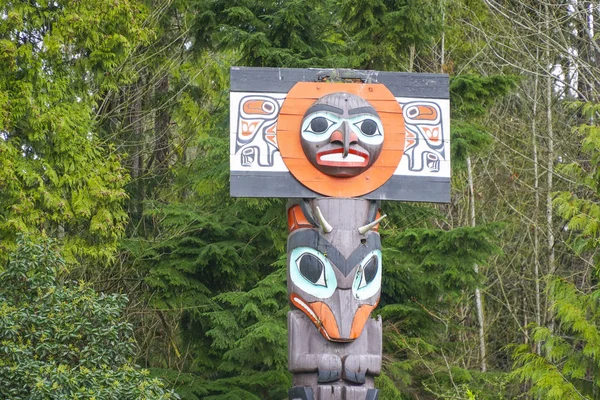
(114, 153)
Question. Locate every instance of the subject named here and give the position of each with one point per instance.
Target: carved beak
(348, 137)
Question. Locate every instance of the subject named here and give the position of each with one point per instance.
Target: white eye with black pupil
(370, 130)
(368, 127)
(312, 269)
(318, 125)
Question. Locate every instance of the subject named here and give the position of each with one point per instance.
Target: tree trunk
(536, 232)
(550, 165)
(478, 302)
(161, 123)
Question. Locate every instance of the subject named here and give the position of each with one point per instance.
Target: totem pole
(335, 143)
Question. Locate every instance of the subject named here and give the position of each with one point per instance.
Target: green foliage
(94, 92)
(200, 253)
(249, 329)
(295, 33)
(387, 388)
(248, 342)
(418, 367)
(434, 262)
(426, 274)
(570, 365)
(382, 33)
(188, 385)
(55, 175)
(579, 208)
(64, 340)
(468, 138)
(459, 383)
(471, 95)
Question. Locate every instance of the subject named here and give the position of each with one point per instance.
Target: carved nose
(344, 312)
(344, 136)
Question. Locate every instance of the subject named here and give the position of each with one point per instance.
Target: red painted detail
(338, 136)
(296, 219)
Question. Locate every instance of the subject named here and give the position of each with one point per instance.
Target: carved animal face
(342, 134)
(334, 277)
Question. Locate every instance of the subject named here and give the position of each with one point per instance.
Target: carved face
(335, 277)
(342, 134)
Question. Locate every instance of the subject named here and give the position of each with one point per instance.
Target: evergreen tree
(114, 118)
(56, 174)
(296, 33)
(569, 364)
(387, 35)
(209, 252)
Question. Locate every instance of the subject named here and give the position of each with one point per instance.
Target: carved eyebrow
(362, 110)
(324, 107)
(312, 238)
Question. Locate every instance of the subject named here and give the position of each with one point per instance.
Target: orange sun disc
(300, 98)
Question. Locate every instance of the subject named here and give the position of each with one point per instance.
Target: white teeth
(338, 157)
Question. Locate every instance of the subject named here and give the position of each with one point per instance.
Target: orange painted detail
(320, 314)
(426, 113)
(258, 107)
(296, 219)
(360, 319)
(433, 134)
(248, 128)
(300, 98)
(411, 138)
(271, 138)
(270, 134)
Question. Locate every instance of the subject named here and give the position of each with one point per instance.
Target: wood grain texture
(284, 185)
(281, 80)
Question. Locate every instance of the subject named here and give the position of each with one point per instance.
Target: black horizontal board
(413, 188)
(281, 80)
(283, 184)
(271, 184)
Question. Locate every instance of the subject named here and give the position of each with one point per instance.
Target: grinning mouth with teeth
(335, 158)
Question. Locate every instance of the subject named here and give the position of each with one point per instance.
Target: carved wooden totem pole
(336, 142)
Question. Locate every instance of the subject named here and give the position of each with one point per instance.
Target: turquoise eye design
(367, 280)
(312, 268)
(319, 126)
(312, 272)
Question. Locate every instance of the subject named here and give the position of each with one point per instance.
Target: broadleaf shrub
(64, 340)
